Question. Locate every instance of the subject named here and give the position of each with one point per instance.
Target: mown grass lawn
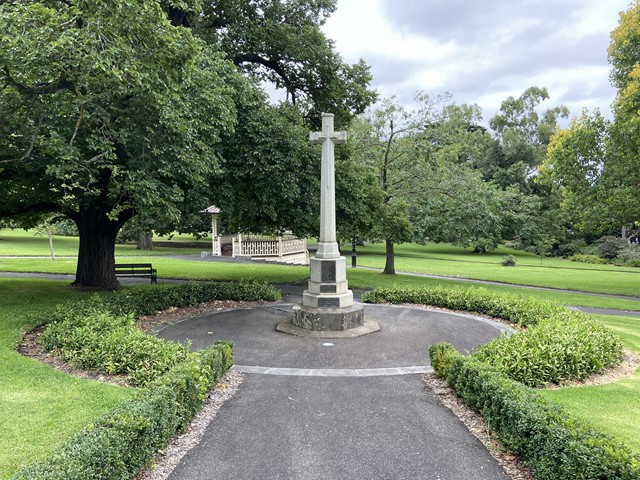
(39, 406)
(436, 259)
(448, 260)
(169, 267)
(21, 243)
(612, 408)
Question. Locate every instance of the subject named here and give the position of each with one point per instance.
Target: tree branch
(75, 132)
(61, 84)
(271, 64)
(31, 143)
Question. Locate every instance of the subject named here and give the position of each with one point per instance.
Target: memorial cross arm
(327, 133)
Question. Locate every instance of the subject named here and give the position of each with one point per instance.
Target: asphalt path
(334, 409)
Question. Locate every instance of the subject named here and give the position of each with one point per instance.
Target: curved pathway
(342, 408)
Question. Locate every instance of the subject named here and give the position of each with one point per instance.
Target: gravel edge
(166, 460)
(512, 465)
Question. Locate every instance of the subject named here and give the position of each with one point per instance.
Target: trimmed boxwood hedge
(100, 333)
(119, 444)
(557, 346)
(555, 445)
(514, 308)
(146, 300)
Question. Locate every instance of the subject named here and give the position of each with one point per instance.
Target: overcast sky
(482, 51)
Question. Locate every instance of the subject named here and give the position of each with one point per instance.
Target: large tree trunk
(390, 265)
(96, 254)
(145, 240)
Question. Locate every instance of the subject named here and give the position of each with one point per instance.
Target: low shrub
(571, 347)
(514, 245)
(566, 250)
(442, 354)
(111, 344)
(609, 246)
(509, 261)
(147, 301)
(119, 444)
(558, 345)
(552, 443)
(583, 258)
(100, 332)
(630, 252)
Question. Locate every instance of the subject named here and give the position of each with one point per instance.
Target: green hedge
(119, 444)
(553, 444)
(100, 332)
(147, 300)
(513, 308)
(557, 346)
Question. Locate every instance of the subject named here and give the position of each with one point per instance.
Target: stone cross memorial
(328, 304)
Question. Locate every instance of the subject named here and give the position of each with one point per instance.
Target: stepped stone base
(311, 322)
(323, 319)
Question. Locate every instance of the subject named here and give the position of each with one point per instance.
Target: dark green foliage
(119, 444)
(557, 346)
(609, 247)
(516, 309)
(149, 300)
(558, 349)
(112, 344)
(553, 444)
(101, 333)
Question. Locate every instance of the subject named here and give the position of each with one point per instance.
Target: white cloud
(482, 52)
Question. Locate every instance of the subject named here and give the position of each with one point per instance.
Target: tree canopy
(113, 109)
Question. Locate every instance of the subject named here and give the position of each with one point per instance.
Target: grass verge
(358, 278)
(448, 260)
(39, 406)
(612, 408)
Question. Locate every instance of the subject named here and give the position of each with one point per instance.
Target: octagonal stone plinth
(313, 322)
(322, 319)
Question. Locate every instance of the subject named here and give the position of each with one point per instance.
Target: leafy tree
(423, 162)
(575, 162)
(458, 207)
(107, 110)
(269, 175)
(383, 144)
(595, 162)
(621, 175)
(524, 135)
(281, 42)
(115, 109)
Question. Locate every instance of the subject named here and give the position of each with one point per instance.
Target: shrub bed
(112, 344)
(558, 345)
(119, 444)
(140, 301)
(101, 333)
(552, 443)
(571, 347)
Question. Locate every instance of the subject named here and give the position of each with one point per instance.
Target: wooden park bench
(136, 270)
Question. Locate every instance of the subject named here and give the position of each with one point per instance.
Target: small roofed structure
(281, 249)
